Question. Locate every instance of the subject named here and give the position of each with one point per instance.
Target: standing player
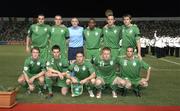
(130, 72)
(106, 72)
(38, 36)
(84, 73)
(56, 67)
(34, 68)
(130, 36)
(92, 36)
(75, 39)
(58, 35)
(111, 36)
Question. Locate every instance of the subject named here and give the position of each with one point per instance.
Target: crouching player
(34, 69)
(55, 75)
(82, 72)
(106, 73)
(130, 68)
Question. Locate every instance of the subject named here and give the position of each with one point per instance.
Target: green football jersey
(58, 35)
(92, 38)
(60, 64)
(111, 36)
(82, 71)
(130, 69)
(33, 67)
(105, 68)
(130, 35)
(39, 34)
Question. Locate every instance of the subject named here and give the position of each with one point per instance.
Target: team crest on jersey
(125, 63)
(48, 63)
(84, 68)
(131, 31)
(25, 68)
(60, 64)
(31, 62)
(101, 63)
(134, 63)
(76, 68)
(111, 62)
(38, 63)
(96, 33)
(53, 29)
(45, 29)
(115, 31)
(62, 30)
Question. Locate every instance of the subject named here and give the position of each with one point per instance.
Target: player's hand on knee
(83, 81)
(61, 76)
(31, 80)
(74, 80)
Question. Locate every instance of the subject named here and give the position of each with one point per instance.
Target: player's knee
(98, 82)
(41, 80)
(64, 91)
(31, 87)
(122, 83)
(144, 84)
(128, 85)
(20, 81)
(93, 81)
(68, 81)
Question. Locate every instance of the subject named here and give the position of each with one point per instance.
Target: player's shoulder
(33, 25)
(80, 28)
(47, 25)
(134, 25)
(64, 27)
(87, 62)
(98, 28)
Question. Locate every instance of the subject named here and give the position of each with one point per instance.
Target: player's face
(110, 20)
(126, 21)
(56, 53)
(58, 20)
(41, 19)
(130, 52)
(35, 54)
(74, 22)
(79, 58)
(91, 24)
(106, 54)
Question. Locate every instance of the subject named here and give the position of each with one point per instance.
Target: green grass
(163, 87)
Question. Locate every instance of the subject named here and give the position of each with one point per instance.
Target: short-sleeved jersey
(60, 64)
(105, 68)
(111, 36)
(92, 38)
(130, 35)
(39, 34)
(131, 68)
(33, 67)
(82, 71)
(58, 36)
